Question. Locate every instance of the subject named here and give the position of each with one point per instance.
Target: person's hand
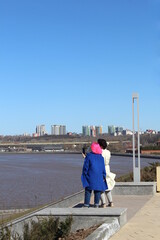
(83, 155)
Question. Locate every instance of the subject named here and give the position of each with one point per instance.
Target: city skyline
(86, 130)
(78, 62)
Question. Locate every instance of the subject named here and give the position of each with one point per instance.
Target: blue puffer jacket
(94, 173)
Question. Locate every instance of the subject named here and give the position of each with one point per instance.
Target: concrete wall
(131, 188)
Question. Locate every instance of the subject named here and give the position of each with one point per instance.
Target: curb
(105, 231)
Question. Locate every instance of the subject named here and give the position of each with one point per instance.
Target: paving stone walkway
(133, 203)
(144, 225)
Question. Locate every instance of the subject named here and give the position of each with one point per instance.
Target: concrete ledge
(105, 231)
(131, 188)
(82, 217)
(119, 213)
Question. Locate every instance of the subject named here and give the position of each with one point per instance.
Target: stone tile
(145, 224)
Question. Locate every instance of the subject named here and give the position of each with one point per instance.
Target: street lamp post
(136, 167)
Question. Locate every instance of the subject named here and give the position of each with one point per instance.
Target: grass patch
(14, 216)
(148, 174)
(46, 229)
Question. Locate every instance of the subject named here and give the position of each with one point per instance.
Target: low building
(127, 132)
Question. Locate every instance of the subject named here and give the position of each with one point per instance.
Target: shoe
(96, 206)
(85, 206)
(103, 205)
(110, 204)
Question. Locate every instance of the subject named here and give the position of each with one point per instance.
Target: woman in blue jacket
(94, 175)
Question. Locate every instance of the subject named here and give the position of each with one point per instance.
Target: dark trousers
(87, 197)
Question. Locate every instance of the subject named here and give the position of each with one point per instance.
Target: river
(28, 180)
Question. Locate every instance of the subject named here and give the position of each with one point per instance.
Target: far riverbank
(141, 155)
(73, 152)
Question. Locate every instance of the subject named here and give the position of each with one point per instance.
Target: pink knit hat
(95, 147)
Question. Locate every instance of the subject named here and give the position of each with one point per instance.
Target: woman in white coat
(109, 175)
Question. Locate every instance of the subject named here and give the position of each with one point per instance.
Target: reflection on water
(29, 180)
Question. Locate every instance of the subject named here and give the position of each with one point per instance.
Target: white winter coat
(109, 175)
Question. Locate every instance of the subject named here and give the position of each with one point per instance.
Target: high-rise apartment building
(114, 130)
(111, 129)
(62, 130)
(98, 130)
(86, 130)
(119, 130)
(40, 130)
(58, 130)
(92, 131)
(55, 129)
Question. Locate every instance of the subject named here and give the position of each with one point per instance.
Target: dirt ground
(80, 234)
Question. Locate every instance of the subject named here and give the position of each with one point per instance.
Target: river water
(28, 180)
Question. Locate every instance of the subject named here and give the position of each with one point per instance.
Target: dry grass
(148, 174)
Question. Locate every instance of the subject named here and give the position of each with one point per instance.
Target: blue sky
(77, 62)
